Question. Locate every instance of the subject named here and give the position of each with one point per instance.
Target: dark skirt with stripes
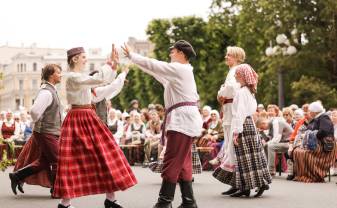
(312, 166)
(157, 166)
(251, 169)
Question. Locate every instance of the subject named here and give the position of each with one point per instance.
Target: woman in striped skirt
(250, 169)
(90, 162)
(312, 165)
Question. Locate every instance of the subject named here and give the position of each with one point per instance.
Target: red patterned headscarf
(248, 74)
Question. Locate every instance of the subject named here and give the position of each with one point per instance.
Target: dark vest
(114, 127)
(50, 121)
(101, 110)
(6, 131)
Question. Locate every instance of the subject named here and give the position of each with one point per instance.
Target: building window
(92, 67)
(33, 101)
(34, 84)
(17, 103)
(34, 67)
(21, 67)
(20, 84)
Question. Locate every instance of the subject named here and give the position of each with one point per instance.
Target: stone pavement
(283, 194)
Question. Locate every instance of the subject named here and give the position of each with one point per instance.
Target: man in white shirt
(39, 155)
(182, 119)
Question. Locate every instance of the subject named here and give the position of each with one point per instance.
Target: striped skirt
(312, 166)
(157, 166)
(90, 161)
(251, 169)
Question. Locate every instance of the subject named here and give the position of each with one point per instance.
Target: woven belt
(162, 139)
(82, 106)
(228, 101)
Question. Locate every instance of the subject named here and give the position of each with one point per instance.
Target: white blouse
(78, 85)
(228, 90)
(179, 86)
(244, 104)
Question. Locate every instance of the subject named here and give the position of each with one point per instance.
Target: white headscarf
(316, 107)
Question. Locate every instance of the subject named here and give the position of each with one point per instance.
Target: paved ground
(282, 194)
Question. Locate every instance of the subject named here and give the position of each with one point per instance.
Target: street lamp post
(282, 48)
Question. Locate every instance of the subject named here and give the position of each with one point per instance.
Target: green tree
(311, 88)
(251, 24)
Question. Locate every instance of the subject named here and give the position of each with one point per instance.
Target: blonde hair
(289, 111)
(237, 52)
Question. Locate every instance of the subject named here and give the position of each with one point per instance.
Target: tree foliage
(310, 25)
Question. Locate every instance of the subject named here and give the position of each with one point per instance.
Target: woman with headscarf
(250, 168)
(312, 165)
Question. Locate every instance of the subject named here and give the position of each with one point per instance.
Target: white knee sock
(65, 202)
(110, 196)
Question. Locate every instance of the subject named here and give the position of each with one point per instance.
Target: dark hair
(70, 61)
(49, 70)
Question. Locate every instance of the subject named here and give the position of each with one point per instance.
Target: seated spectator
(153, 134)
(115, 125)
(136, 131)
(10, 129)
(279, 132)
(144, 115)
(206, 116)
(262, 125)
(288, 115)
(295, 140)
(334, 121)
(160, 110)
(260, 108)
(25, 125)
(313, 165)
(214, 137)
(134, 106)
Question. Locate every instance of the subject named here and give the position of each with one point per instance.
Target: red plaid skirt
(90, 161)
(38, 152)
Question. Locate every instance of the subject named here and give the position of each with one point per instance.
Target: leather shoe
(241, 193)
(230, 191)
(261, 190)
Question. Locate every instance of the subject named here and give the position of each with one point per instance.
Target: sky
(88, 23)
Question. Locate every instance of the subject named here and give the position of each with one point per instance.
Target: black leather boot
(187, 196)
(166, 195)
(18, 176)
(230, 191)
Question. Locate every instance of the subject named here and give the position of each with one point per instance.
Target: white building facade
(20, 70)
(21, 75)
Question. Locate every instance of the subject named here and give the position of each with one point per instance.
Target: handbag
(328, 144)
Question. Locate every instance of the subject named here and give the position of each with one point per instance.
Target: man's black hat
(185, 47)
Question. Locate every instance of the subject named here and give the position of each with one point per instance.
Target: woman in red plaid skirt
(90, 161)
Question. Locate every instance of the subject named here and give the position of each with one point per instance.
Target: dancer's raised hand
(114, 57)
(126, 50)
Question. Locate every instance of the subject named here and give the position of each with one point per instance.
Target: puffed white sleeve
(104, 75)
(110, 90)
(162, 71)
